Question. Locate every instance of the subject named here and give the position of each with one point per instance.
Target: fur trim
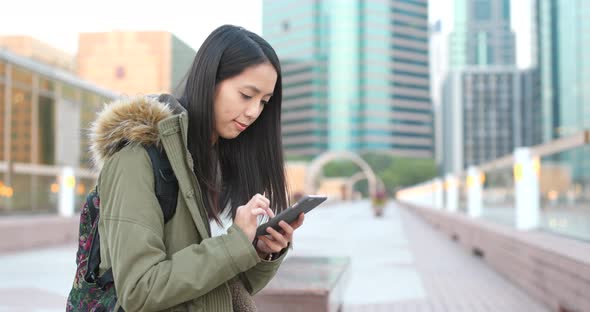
(126, 121)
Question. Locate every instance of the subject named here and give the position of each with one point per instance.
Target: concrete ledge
(553, 269)
(306, 284)
(18, 233)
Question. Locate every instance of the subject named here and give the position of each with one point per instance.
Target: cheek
(222, 109)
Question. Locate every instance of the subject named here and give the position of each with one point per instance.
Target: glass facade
(355, 74)
(563, 45)
(32, 97)
(482, 34)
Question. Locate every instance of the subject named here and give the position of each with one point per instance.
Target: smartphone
(305, 205)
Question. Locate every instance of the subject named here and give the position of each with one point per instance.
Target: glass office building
(563, 46)
(355, 75)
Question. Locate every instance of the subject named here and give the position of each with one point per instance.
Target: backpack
(91, 292)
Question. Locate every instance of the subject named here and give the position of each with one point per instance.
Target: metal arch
(357, 177)
(318, 163)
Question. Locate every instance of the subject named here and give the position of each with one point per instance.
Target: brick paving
(398, 263)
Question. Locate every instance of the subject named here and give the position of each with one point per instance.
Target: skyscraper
(439, 68)
(563, 47)
(355, 75)
(490, 107)
(487, 114)
(482, 34)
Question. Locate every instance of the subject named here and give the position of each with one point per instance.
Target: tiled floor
(399, 263)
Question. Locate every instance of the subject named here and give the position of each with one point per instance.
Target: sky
(58, 22)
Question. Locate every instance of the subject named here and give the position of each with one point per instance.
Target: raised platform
(306, 284)
(553, 269)
(20, 233)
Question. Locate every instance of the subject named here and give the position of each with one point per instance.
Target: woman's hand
(247, 215)
(277, 241)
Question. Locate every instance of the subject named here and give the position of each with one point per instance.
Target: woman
(222, 138)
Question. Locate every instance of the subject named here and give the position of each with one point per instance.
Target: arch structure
(315, 169)
(357, 177)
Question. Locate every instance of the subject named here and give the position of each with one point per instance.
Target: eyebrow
(253, 88)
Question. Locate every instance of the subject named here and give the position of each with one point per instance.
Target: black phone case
(305, 205)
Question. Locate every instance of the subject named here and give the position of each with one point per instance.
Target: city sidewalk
(398, 263)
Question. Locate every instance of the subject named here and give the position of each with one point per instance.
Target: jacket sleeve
(132, 230)
(256, 278)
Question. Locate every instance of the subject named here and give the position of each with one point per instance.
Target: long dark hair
(253, 162)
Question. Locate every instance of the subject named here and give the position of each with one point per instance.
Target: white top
(226, 220)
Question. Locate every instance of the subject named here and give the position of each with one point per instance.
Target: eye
(244, 96)
(264, 103)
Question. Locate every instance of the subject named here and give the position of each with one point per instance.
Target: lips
(240, 125)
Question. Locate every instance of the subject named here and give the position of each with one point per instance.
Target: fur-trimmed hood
(127, 121)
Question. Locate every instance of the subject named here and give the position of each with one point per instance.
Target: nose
(253, 109)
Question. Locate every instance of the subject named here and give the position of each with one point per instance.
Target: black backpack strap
(166, 188)
(165, 181)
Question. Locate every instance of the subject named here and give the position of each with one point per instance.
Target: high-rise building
(490, 107)
(439, 68)
(134, 62)
(355, 75)
(488, 112)
(482, 35)
(563, 47)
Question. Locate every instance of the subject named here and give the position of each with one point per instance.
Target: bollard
(67, 183)
(474, 192)
(526, 184)
(438, 194)
(452, 189)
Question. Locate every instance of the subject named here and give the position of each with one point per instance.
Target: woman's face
(240, 100)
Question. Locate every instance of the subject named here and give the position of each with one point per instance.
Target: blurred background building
(43, 113)
(32, 48)
(489, 105)
(134, 62)
(563, 47)
(355, 75)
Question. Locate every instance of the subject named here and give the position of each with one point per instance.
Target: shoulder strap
(165, 181)
(166, 188)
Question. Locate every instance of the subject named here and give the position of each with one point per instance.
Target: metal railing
(544, 187)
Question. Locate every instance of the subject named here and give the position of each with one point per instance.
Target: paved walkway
(398, 264)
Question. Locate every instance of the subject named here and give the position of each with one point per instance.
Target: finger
(262, 246)
(271, 213)
(286, 228)
(278, 237)
(295, 225)
(259, 212)
(273, 245)
(262, 198)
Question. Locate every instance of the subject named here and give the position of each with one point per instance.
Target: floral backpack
(93, 292)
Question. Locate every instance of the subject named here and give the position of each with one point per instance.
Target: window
(482, 9)
(120, 72)
(22, 76)
(69, 92)
(46, 84)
